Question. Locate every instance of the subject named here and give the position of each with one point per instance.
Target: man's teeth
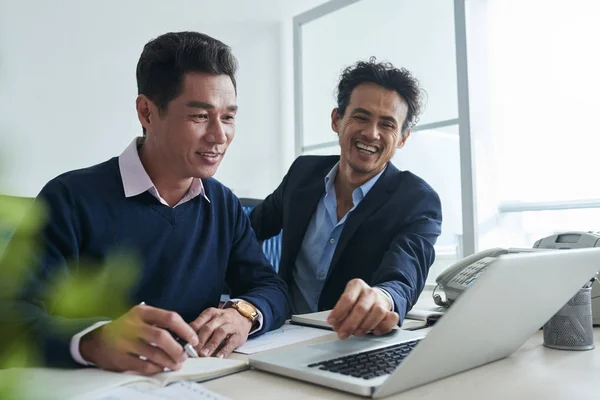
(367, 148)
(208, 154)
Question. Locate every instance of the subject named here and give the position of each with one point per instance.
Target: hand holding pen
(141, 340)
(188, 348)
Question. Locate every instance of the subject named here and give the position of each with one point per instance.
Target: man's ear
(145, 110)
(335, 120)
(403, 140)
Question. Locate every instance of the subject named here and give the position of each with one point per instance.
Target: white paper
(189, 391)
(177, 391)
(287, 334)
(126, 393)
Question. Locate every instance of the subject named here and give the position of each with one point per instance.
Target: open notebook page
(55, 383)
(201, 369)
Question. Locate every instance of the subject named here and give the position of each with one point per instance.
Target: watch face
(246, 309)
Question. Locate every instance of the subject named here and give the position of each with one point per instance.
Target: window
(537, 151)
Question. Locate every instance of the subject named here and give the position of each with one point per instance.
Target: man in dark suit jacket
(358, 234)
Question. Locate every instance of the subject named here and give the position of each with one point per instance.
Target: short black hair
(386, 75)
(166, 59)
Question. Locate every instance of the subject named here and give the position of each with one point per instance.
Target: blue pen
(188, 348)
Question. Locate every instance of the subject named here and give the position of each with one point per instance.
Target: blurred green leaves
(91, 288)
(96, 289)
(28, 217)
(15, 348)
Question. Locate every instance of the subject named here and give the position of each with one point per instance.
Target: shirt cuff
(258, 322)
(385, 292)
(76, 339)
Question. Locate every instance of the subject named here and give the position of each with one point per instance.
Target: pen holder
(571, 327)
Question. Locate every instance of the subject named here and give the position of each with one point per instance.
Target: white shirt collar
(136, 180)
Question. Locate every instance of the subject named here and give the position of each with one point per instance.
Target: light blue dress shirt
(318, 246)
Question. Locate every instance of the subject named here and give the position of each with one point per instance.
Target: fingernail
(343, 335)
(220, 355)
(205, 352)
(194, 341)
(332, 320)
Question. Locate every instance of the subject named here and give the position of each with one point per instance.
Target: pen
(188, 348)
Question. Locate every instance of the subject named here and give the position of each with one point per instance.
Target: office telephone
(461, 275)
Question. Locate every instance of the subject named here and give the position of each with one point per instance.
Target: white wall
(67, 83)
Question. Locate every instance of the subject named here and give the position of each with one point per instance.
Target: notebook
(319, 320)
(51, 383)
(316, 319)
(422, 314)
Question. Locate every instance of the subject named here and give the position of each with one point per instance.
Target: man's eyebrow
(208, 106)
(359, 110)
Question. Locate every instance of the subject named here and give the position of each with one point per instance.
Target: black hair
(166, 59)
(386, 75)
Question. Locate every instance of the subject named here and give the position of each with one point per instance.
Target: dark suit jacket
(386, 241)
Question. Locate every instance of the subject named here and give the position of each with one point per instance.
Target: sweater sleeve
(252, 278)
(30, 310)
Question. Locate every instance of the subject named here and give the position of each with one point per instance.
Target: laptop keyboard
(369, 364)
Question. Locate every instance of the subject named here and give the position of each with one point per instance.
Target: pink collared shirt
(137, 181)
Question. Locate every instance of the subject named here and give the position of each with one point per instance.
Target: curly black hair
(387, 76)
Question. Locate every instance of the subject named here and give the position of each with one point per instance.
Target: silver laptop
(508, 304)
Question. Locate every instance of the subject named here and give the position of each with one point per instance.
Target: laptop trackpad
(357, 344)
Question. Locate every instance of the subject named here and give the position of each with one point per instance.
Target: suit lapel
(303, 202)
(377, 196)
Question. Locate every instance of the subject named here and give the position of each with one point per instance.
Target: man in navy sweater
(158, 199)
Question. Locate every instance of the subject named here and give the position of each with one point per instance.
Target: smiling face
(190, 137)
(370, 130)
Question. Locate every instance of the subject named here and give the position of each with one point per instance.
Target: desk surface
(533, 372)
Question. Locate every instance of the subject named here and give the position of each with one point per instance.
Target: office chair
(272, 246)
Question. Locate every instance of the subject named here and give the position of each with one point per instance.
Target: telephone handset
(461, 275)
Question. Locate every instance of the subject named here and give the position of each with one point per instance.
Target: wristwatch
(243, 307)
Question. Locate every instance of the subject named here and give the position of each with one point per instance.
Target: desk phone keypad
(369, 364)
(469, 275)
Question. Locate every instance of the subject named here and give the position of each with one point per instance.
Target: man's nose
(216, 132)
(371, 132)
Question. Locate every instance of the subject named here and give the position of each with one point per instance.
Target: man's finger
(132, 362)
(169, 320)
(234, 341)
(359, 312)
(205, 317)
(389, 322)
(219, 334)
(345, 303)
(373, 318)
(163, 340)
(206, 331)
(153, 354)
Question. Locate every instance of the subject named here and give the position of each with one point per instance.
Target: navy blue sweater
(187, 253)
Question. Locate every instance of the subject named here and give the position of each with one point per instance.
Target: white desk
(533, 372)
